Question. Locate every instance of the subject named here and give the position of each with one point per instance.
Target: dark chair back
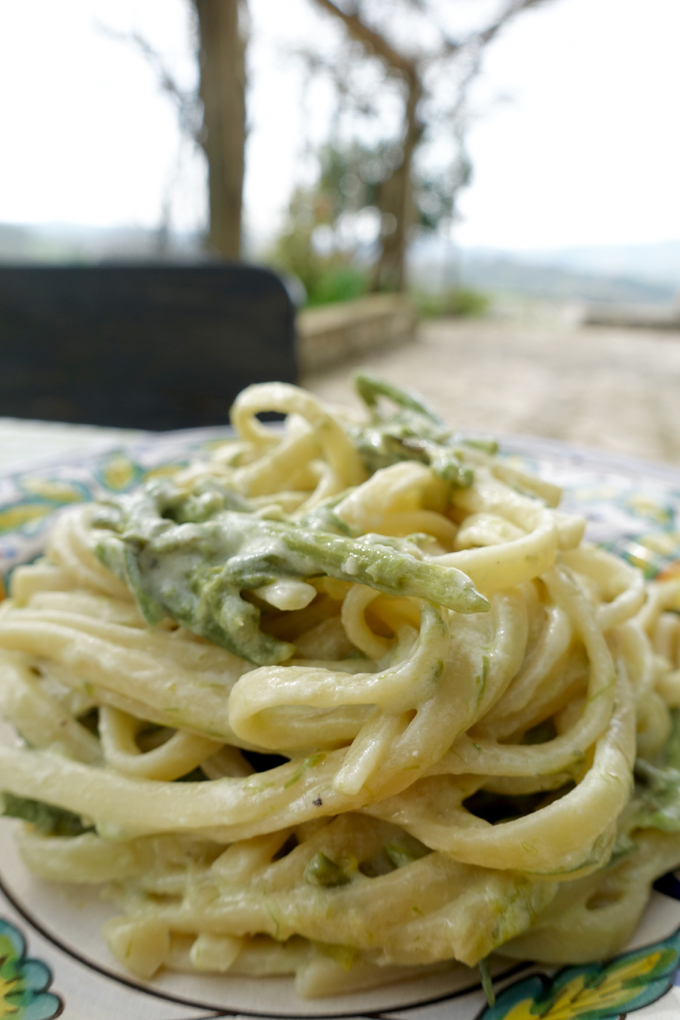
(149, 346)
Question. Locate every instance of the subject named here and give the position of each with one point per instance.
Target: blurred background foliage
(330, 239)
(400, 71)
(377, 117)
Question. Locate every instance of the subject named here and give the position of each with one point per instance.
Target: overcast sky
(574, 139)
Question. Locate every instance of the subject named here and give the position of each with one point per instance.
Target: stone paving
(613, 388)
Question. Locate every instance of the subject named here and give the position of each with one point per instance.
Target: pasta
(351, 701)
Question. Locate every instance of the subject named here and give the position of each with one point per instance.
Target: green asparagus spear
(414, 432)
(657, 797)
(53, 821)
(195, 571)
(655, 802)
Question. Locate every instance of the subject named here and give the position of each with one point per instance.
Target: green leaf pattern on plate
(595, 991)
(23, 981)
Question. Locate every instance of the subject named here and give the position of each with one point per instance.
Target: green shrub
(342, 283)
(458, 301)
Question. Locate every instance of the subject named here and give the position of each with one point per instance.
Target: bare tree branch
(375, 43)
(511, 11)
(187, 102)
(347, 88)
(464, 55)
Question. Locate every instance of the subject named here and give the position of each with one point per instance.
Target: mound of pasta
(351, 700)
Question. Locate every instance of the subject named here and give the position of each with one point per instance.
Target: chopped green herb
(322, 871)
(487, 982)
(307, 763)
(401, 855)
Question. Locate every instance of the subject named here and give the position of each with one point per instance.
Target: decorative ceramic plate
(54, 960)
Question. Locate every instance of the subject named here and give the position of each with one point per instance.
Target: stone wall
(335, 333)
(643, 316)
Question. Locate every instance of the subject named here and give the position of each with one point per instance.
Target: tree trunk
(396, 192)
(222, 91)
(396, 201)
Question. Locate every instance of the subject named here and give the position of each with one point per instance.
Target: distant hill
(625, 274)
(504, 274)
(653, 263)
(633, 274)
(62, 243)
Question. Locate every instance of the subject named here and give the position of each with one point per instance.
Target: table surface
(23, 441)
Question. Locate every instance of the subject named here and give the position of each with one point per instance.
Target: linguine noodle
(349, 701)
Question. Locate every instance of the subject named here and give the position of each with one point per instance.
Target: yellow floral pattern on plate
(594, 991)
